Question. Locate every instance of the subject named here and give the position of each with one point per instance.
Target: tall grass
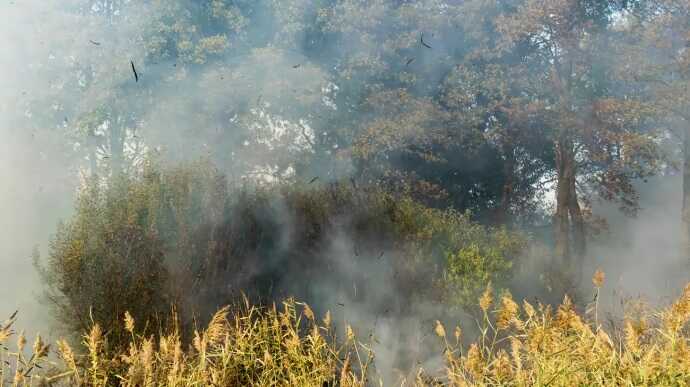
(532, 345)
(287, 346)
(519, 345)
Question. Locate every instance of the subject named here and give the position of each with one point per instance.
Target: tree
(106, 261)
(496, 94)
(600, 140)
(395, 65)
(203, 87)
(285, 102)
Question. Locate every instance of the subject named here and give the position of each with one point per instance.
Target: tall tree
(396, 65)
(599, 139)
(495, 92)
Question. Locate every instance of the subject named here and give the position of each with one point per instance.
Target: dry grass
(527, 345)
(537, 346)
(285, 346)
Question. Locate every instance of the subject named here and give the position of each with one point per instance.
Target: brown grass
(519, 345)
(256, 346)
(537, 346)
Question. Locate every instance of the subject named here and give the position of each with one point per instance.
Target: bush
(107, 260)
(183, 237)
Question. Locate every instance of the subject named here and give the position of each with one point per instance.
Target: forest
(345, 193)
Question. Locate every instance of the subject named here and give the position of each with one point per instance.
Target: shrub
(107, 260)
(184, 237)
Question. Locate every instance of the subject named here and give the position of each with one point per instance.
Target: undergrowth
(287, 345)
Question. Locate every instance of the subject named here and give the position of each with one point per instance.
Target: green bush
(184, 237)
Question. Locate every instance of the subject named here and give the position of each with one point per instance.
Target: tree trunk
(568, 211)
(503, 214)
(93, 161)
(116, 146)
(561, 224)
(685, 214)
(579, 244)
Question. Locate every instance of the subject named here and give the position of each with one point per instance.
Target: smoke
(642, 256)
(37, 178)
(347, 264)
(256, 105)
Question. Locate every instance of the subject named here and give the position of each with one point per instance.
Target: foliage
(183, 237)
(292, 89)
(475, 265)
(106, 260)
(410, 121)
(654, 59)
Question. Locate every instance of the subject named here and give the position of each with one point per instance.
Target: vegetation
(530, 345)
(533, 345)
(516, 99)
(182, 237)
(394, 155)
(284, 345)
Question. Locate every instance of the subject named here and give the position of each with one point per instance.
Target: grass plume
(287, 345)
